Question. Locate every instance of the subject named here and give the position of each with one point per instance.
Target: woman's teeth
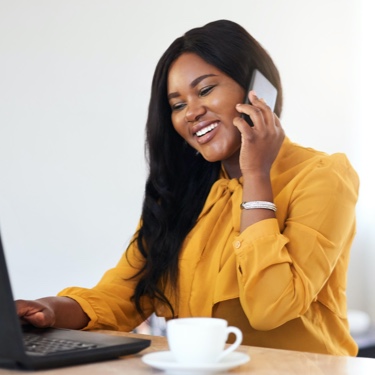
(205, 130)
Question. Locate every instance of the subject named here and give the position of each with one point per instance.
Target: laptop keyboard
(35, 344)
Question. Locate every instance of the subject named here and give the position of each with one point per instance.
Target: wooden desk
(263, 361)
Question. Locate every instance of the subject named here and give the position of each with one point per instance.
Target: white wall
(74, 88)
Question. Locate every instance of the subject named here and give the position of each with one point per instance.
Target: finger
(255, 114)
(258, 109)
(243, 125)
(38, 319)
(23, 307)
(261, 105)
(257, 101)
(277, 121)
(269, 116)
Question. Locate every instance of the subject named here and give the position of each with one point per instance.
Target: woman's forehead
(188, 68)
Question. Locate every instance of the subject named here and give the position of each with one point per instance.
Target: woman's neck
(232, 169)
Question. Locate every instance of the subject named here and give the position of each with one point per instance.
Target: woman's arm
(287, 264)
(108, 305)
(259, 148)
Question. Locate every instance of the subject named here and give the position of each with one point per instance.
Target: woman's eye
(177, 106)
(206, 90)
(202, 92)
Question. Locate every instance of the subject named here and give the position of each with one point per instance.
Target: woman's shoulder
(293, 154)
(294, 159)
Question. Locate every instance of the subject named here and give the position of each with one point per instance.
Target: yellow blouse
(282, 281)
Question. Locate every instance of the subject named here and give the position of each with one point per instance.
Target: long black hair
(179, 180)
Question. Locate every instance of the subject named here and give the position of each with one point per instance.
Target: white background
(75, 78)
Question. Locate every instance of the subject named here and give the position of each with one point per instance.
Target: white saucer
(165, 361)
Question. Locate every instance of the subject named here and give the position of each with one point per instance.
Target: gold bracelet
(258, 204)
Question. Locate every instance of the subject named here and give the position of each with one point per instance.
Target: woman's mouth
(207, 129)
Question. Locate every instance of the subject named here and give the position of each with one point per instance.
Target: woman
(278, 275)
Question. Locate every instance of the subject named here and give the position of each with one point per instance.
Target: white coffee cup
(200, 340)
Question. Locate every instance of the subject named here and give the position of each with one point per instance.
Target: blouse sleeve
(285, 264)
(109, 304)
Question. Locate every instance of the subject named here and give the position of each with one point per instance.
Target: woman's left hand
(261, 142)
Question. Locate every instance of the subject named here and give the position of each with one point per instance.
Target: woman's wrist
(257, 187)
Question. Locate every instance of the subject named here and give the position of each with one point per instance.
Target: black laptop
(33, 348)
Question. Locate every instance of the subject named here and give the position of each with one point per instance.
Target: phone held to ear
(264, 90)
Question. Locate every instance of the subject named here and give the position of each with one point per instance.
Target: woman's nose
(194, 111)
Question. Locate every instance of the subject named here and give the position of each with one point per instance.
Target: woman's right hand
(38, 313)
(61, 312)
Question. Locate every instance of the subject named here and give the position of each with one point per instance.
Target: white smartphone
(264, 90)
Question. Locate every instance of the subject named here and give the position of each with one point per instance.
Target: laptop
(26, 347)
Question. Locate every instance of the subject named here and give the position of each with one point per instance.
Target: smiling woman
(238, 222)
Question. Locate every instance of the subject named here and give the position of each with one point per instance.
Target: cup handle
(236, 344)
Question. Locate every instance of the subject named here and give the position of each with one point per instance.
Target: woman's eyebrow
(199, 79)
(192, 84)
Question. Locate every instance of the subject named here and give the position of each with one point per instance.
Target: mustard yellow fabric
(282, 281)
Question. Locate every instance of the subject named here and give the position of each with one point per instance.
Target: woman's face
(203, 102)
